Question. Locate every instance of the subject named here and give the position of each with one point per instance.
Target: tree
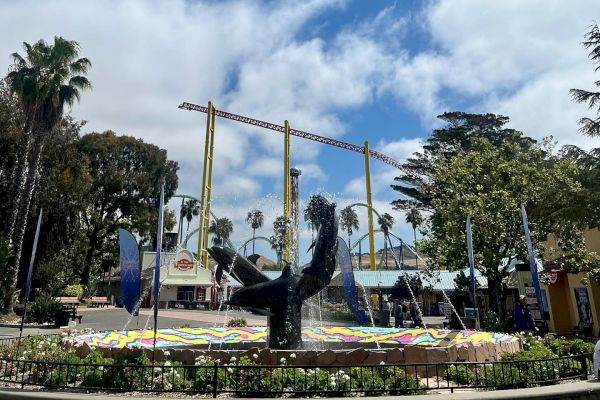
(47, 78)
(316, 206)
(590, 126)
(415, 219)
(126, 178)
(490, 182)
(385, 221)
(400, 290)
(255, 219)
(221, 229)
(456, 136)
(280, 238)
(349, 222)
(190, 209)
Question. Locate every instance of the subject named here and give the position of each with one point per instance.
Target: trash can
(62, 318)
(597, 360)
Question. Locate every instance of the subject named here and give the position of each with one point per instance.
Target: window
(185, 293)
(201, 294)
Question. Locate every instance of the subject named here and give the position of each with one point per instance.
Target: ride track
(295, 132)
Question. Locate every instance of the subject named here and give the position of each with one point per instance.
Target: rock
(326, 357)
(452, 353)
(357, 356)
(83, 350)
(375, 357)
(415, 355)
(463, 352)
(266, 357)
(395, 356)
(341, 357)
(437, 355)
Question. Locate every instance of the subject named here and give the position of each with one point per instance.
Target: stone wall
(480, 352)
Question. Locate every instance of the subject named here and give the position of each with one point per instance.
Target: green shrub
(237, 322)
(493, 323)
(44, 309)
(72, 291)
(564, 347)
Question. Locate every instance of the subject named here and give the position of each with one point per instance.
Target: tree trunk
(180, 230)
(416, 252)
(18, 180)
(253, 237)
(385, 249)
(87, 267)
(21, 222)
(496, 295)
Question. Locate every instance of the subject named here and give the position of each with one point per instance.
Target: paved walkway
(586, 390)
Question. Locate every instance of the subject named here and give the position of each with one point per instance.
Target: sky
(351, 70)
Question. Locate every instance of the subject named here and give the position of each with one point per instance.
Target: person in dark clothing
(523, 317)
(398, 316)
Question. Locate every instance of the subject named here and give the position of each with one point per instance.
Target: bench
(99, 302)
(70, 304)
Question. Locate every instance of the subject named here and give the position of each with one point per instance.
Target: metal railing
(278, 380)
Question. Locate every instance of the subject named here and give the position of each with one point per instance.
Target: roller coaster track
(302, 134)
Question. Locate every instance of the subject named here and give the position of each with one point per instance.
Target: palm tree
(415, 219)
(255, 219)
(190, 209)
(385, 221)
(221, 229)
(349, 221)
(47, 78)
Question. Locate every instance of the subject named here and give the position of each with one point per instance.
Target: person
(398, 315)
(523, 317)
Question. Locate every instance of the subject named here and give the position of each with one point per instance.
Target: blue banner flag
(348, 283)
(159, 235)
(471, 260)
(30, 272)
(129, 262)
(532, 265)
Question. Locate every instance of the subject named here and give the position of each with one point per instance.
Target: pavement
(102, 319)
(582, 390)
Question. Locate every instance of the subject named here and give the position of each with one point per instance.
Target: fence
(273, 381)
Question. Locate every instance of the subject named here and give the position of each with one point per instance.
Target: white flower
(101, 368)
(167, 363)
(230, 370)
(255, 356)
(346, 377)
(157, 370)
(282, 361)
(167, 353)
(293, 356)
(382, 363)
(232, 359)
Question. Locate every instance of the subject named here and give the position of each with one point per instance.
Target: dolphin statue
(282, 298)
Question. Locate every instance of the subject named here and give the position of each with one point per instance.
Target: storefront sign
(555, 276)
(184, 260)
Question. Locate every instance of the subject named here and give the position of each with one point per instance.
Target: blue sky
(354, 70)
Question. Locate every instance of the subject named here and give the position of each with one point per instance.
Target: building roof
(441, 280)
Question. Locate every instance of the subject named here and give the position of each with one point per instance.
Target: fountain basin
(312, 337)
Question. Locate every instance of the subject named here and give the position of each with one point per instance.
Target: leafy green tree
(126, 178)
(590, 126)
(490, 182)
(190, 209)
(385, 221)
(415, 219)
(45, 80)
(221, 229)
(280, 238)
(349, 222)
(400, 290)
(315, 207)
(456, 136)
(255, 219)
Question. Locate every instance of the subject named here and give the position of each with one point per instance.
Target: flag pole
(159, 234)
(29, 273)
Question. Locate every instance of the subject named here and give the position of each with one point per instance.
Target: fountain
(282, 298)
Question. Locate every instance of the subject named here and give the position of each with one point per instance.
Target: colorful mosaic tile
(201, 337)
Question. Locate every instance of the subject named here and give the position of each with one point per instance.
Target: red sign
(184, 264)
(555, 275)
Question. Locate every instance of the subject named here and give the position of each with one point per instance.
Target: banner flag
(348, 283)
(532, 265)
(30, 271)
(159, 235)
(129, 262)
(471, 260)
